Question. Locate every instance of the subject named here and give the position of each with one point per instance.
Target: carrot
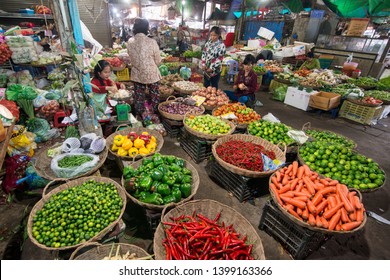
(318, 221)
(332, 201)
(324, 182)
(294, 169)
(314, 177)
(301, 170)
(334, 220)
(296, 193)
(289, 169)
(345, 189)
(299, 211)
(276, 193)
(294, 183)
(347, 204)
(344, 215)
(352, 216)
(292, 212)
(333, 183)
(304, 190)
(332, 211)
(300, 186)
(338, 227)
(289, 206)
(278, 176)
(305, 214)
(288, 194)
(317, 198)
(311, 207)
(309, 185)
(319, 185)
(285, 188)
(312, 220)
(357, 203)
(359, 215)
(307, 170)
(350, 226)
(301, 198)
(285, 179)
(327, 190)
(321, 206)
(325, 223)
(295, 202)
(276, 183)
(338, 199)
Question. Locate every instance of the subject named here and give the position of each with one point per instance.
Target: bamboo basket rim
(238, 124)
(138, 130)
(228, 214)
(307, 126)
(70, 184)
(280, 155)
(302, 162)
(176, 117)
(176, 88)
(102, 250)
(209, 136)
(307, 225)
(43, 162)
(160, 208)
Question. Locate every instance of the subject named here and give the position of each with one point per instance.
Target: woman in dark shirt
(245, 83)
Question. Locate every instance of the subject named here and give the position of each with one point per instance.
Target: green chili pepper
(185, 190)
(163, 189)
(177, 194)
(153, 198)
(187, 179)
(169, 199)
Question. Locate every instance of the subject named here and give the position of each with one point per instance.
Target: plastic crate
(298, 241)
(124, 75)
(325, 62)
(359, 113)
(243, 188)
(198, 149)
(172, 127)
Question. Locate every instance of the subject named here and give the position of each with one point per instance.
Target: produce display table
(4, 144)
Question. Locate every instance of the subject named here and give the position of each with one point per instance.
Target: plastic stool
(58, 117)
(232, 67)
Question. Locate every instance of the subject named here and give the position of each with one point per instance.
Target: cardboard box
(325, 100)
(298, 98)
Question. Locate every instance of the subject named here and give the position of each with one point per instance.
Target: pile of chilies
(320, 202)
(244, 154)
(197, 237)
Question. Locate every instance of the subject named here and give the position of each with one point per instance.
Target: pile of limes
(208, 124)
(273, 132)
(328, 136)
(77, 214)
(343, 164)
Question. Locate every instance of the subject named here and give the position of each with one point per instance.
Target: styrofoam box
(298, 98)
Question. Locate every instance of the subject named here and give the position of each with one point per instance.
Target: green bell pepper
(187, 179)
(157, 159)
(153, 198)
(129, 172)
(157, 174)
(174, 168)
(163, 168)
(149, 166)
(130, 185)
(177, 194)
(145, 182)
(176, 186)
(146, 161)
(163, 189)
(180, 162)
(154, 186)
(142, 195)
(170, 159)
(185, 190)
(186, 171)
(169, 199)
(169, 179)
(178, 177)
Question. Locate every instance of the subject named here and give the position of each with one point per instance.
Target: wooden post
(140, 8)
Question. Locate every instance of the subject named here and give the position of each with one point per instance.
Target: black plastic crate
(172, 127)
(198, 149)
(243, 188)
(300, 242)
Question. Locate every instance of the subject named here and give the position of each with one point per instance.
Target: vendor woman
(101, 81)
(311, 62)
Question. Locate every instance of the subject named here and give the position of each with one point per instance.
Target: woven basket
(160, 208)
(43, 162)
(307, 126)
(307, 225)
(209, 208)
(70, 184)
(238, 125)
(302, 162)
(209, 136)
(138, 130)
(209, 108)
(362, 103)
(280, 155)
(99, 251)
(175, 117)
(189, 92)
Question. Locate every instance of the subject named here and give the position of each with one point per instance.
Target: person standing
(182, 42)
(212, 57)
(145, 58)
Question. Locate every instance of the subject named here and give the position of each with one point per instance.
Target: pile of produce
(214, 97)
(191, 54)
(285, 76)
(364, 82)
(73, 161)
(208, 124)
(77, 214)
(311, 83)
(270, 131)
(331, 137)
(244, 154)
(165, 90)
(259, 69)
(347, 89)
(186, 86)
(378, 94)
(5, 53)
(181, 107)
(123, 257)
(50, 109)
(273, 66)
(171, 58)
(159, 180)
(321, 203)
(244, 114)
(318, 79)
(57, 79)
(198, 237)
(303, 72)
(369, 100)
(120, 94)
(133, 144)
(342, 164)
(384, 84)
(115, 62)
(45, 58)
(170, 79)
(22, 47)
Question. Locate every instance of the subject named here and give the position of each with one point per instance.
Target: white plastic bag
(73, 171)
(299, 136)
(271, 118)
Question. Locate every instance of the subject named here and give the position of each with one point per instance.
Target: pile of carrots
(323, 203)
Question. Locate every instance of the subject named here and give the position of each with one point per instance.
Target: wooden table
(4, 144)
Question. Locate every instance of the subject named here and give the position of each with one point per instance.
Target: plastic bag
(40, 101)
(73, 171)
(280, 93)
(299, 136)
(269, 164)
(15, 169)
(271, 118)
(22, 142)
(39, 127)
(185, 73)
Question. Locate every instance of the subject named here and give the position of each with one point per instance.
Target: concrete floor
(372, 243)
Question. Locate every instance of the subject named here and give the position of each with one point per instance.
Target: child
(101, 81)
